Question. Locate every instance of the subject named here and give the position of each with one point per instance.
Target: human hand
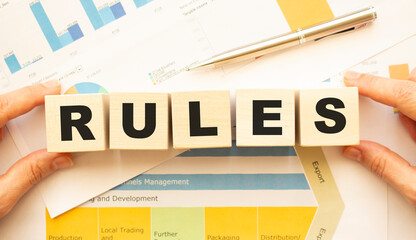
(29, 170)
(379, 159)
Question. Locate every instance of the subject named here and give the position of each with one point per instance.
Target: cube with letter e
(328, 117)
(76, 123)
(265, 117)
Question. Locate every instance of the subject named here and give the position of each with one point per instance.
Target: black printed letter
(149, 124)
(195, 122)
(338, 117)
(80, 124)
(259, 117)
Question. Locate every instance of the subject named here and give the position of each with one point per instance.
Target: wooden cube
(265, 117)
(139, 121)
(328, 117)
(201, 119)
(76, 123)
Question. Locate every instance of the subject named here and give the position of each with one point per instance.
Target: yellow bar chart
(182, 223)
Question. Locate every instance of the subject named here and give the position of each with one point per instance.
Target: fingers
(412, 76)
(409, 124)
(21, 101)
(27, 172)
(387, 164)
(392, 92)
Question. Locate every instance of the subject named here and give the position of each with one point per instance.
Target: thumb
(386, 164)
(27, 172)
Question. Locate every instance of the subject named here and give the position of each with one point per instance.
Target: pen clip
(344, 31)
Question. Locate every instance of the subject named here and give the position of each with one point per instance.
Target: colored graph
(71, 34)
(13, 63)
(140, 3)
(85, 88)
(213, 194)
(104, 15)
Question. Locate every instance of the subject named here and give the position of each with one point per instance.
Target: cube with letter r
(76, 123)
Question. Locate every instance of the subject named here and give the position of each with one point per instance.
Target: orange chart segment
(305, 13)
(231, 223)
(285, 222)
(399, 71)
(78, 223)
(124, 223)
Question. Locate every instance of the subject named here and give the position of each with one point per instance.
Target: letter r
(80, 124)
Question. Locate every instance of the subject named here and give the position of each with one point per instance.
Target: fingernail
(351, 78)
(63, 162)
(352, 153)
(352, 75)
(51, 84)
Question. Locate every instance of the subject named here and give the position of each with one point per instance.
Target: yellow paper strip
(305, 13)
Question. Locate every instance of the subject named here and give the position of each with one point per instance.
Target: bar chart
(198, 200)
(103, 15)
(140, 3)
(71, 34)
(13, 63)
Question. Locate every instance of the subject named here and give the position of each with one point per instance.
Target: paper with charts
(253, 193)
(228, 193)
(142, 45)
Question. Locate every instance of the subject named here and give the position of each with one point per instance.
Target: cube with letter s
(328, 117)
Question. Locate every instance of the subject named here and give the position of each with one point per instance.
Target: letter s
(323, 111)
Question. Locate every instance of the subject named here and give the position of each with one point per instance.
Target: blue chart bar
(13, 63)
(155, 182)
(75, 32)
(118, 10)
(92, 13)
(55, 42)
(140, 3)
(65, 39)
(105, 15)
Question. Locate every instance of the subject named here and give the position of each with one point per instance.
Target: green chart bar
(177, 223)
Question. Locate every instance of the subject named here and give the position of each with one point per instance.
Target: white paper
(174, 38)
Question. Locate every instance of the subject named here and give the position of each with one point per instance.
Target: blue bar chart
(104, 15)
(13, 63)
(72, 33)
(140, 3)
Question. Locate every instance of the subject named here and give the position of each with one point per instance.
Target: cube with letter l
(201, 119)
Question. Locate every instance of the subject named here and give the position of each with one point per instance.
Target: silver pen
(340, 24)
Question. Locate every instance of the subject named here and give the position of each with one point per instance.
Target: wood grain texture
(309, 135)
(214, 112)
(159, 138)
(98, 125)
(244, 117)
